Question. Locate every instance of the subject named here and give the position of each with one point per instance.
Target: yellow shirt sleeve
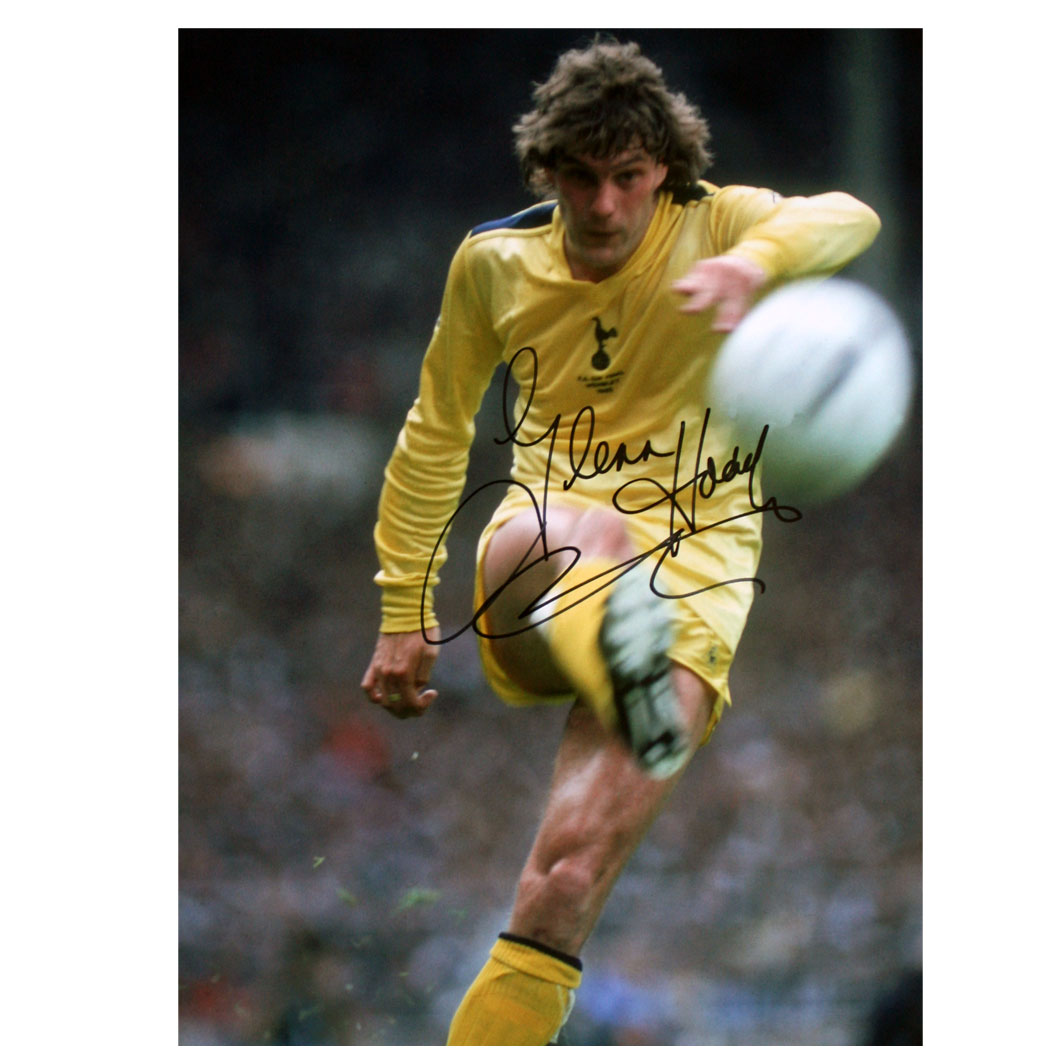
(427, 469)
(788, 237)
(426, 474)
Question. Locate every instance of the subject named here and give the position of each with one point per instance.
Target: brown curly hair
(605, 99)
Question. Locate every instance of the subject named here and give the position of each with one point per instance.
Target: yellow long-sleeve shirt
(612, 391)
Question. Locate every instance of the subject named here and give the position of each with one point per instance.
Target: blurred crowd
(343, 873)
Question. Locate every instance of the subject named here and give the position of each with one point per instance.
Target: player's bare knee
(573, 878)
(600, 532)
(558, 903)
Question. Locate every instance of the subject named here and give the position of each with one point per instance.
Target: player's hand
(725, 283)
(400, 667)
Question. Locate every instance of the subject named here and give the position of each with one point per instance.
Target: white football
(825, 364)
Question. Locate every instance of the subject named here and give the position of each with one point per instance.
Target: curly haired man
(618, 568)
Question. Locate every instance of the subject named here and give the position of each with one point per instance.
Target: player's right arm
(422, 486)
(399, 670)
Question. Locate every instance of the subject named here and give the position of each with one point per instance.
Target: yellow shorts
(696, 645)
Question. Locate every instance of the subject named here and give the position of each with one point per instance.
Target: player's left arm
(726, 283)
(762, 239)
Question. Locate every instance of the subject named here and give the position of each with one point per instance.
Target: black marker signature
(587, 458)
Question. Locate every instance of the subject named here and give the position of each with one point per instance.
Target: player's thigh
(516, 569)
(521, 562)
(514, 572)
(523, 558)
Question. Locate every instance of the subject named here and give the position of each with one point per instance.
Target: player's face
(607, 205)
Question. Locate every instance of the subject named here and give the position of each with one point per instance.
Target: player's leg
(600, 804)
(607, 631)
(517, 572)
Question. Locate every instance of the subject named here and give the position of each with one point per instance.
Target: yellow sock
(574, 635)
(522, 996)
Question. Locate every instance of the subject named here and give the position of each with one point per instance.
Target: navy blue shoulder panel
(690, 193)
(534, 217)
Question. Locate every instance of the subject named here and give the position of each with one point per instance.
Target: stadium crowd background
(341, 872)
